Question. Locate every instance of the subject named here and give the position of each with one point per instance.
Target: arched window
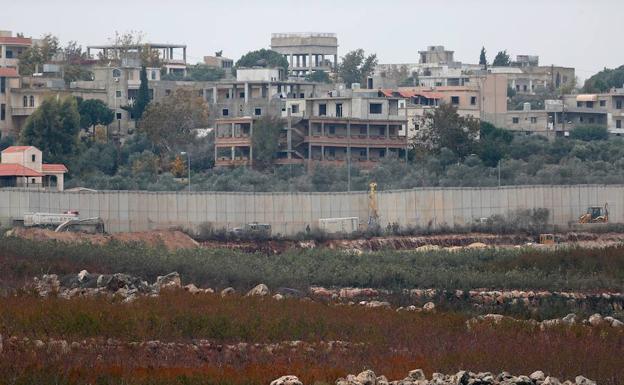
(25, 101)
(116, 73)
(32, 101)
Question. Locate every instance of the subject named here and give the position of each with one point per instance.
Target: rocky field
(118, 313)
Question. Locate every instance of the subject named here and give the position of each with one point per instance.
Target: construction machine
(595, 214)
(373, 213)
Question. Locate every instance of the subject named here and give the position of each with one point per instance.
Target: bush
(589, 133)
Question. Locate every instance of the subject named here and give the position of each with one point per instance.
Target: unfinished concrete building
(307, 52)
(360, 127)
(173, 56)
(436, 54)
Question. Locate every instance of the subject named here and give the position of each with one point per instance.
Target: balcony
(22, 111)
(225, 161)
(357, 140)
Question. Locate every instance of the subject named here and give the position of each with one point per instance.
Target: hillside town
(330, 107)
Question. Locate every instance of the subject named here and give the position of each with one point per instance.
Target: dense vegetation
(496, 268)
(604, 80)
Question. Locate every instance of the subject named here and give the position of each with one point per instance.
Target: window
(618, 104)
(241, 95)
(339, 110)
(167, 92)
(153, 75)
(473, 100)
(116, 73)
(294, 108)
(618, 123)
(33, 157)
(455, 100)
(579, 104)
(515, 120)
(9, 54)
(302, 95)
(2, 84)
(375, 108)
(119, 116)
(118, 93)
(25, 101)
(603, 103)
(225, 112)
(332, 130)
(258, 111)
(589, 104)
(32, 101)
(524, 88)
(533, 119)
(2, 111)
(322, 109)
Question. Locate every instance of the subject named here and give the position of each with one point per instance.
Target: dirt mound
(170, 239)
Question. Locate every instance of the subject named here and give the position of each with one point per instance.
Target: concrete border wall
(289, 213)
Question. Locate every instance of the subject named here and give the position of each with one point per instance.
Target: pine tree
(143, 98)
(482, 58)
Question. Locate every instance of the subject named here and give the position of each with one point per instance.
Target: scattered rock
(287, 380)
(429, 307)
(537, 376)
(261, 290)
(191, 288)
(228, 291)
(595, 319)
(169, 281)
(580, 380)
(367, 377)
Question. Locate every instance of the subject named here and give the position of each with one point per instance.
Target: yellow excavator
(373, 213)
(595, 214)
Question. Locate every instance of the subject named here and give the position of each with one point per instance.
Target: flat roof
(136, 46)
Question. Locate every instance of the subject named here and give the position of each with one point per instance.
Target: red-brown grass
(393, 343)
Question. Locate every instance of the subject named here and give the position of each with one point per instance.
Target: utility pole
(499, 173)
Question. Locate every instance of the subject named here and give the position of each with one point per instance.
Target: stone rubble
(417, 377)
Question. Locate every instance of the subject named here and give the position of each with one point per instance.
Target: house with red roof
(22, 166)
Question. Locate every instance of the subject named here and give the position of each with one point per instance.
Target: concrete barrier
(289, 213)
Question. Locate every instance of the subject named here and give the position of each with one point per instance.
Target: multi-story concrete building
(11, 47)
(220, 62)
(436, 54)
(117, 86)
(340, 126)
(606, 110)
(307, 52)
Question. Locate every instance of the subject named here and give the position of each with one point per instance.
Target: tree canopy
(53, 127)
(589, 133)
(32, 59)
(318, 76)
(482, 57)
(502, 59)
(197, 72)
(605, 80)
(94, 112)
(263, 57)
(265, 140)
(170, 123)
(356, 67)
(445, 128)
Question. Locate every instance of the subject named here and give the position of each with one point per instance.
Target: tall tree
(356, 67)
(32, 59)
(265, 140)
(483, 58)
(53, 127)
(94, 112)
(605, 80)
(73, 63)
(501, 59)
(138, 106)
(263, 57)
(318, 76)
(445, 128)
(170, 123)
